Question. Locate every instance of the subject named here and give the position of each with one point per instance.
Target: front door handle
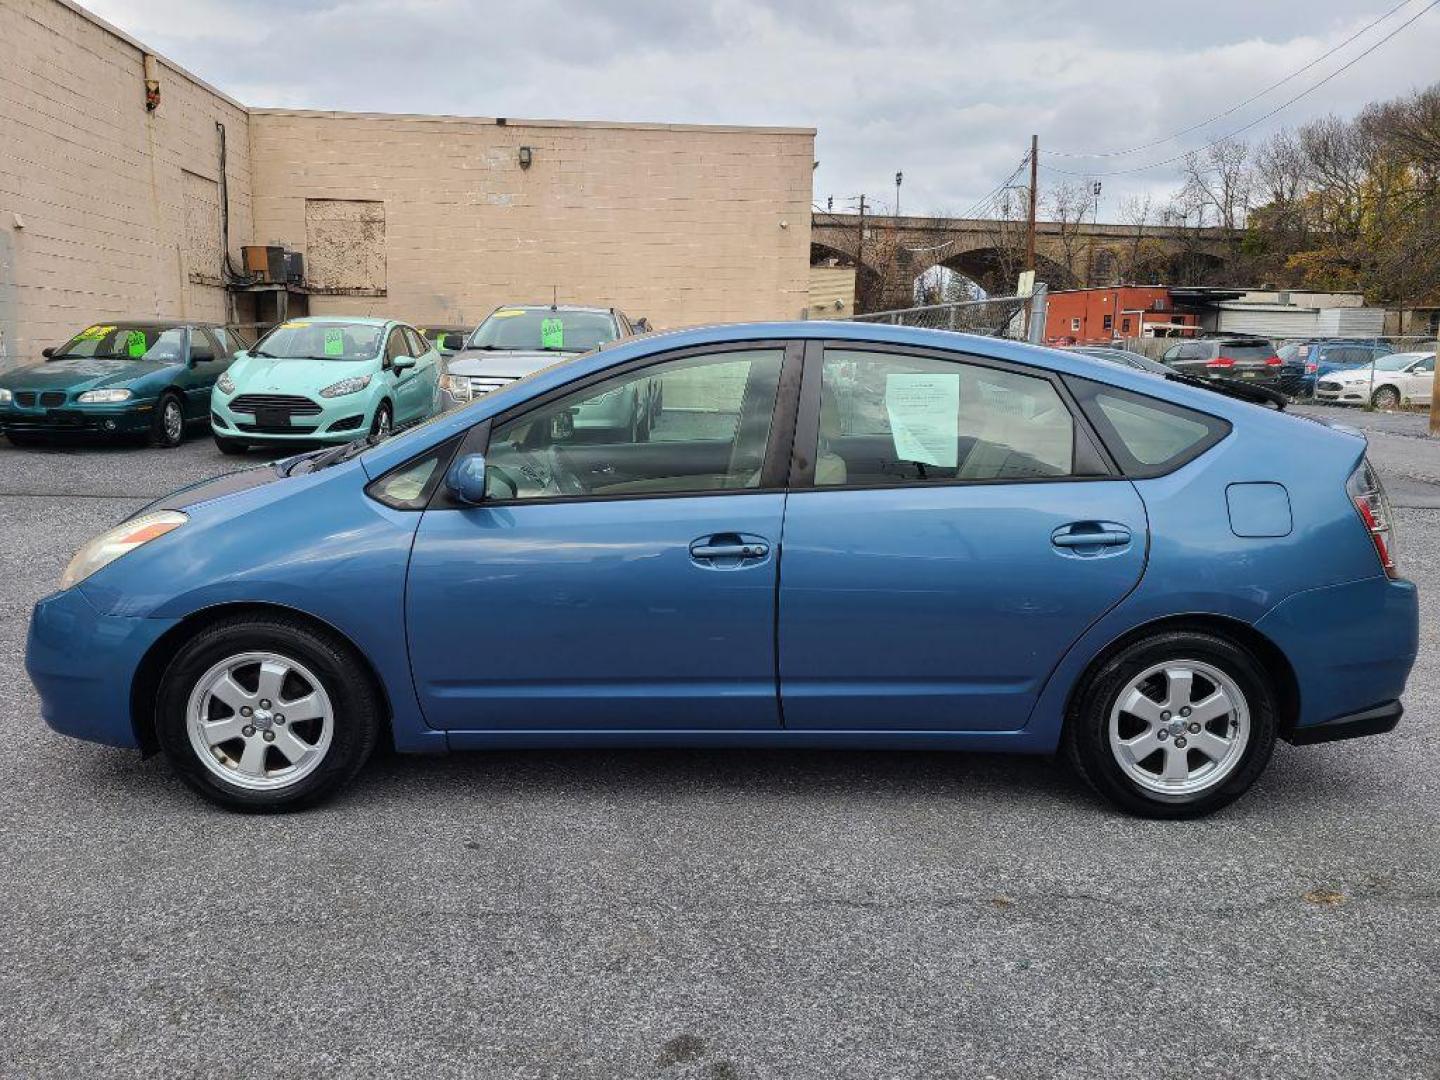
(700, 550)
(1090, 534)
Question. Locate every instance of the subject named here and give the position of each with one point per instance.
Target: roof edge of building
(519, 122)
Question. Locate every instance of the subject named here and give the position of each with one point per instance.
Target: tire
(230, 447)
(384, 419)
(310, 756)
(1386, 397)
(167, 430)
(1136, 778)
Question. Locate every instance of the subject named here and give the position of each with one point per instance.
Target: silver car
(516, 340)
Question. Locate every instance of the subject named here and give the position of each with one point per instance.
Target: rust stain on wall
(345, 244)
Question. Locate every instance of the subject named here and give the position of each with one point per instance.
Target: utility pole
(899, 176)
(1034, 190)
(860, 252)
(1435, 395)
(1030, 226)
(1090, 247)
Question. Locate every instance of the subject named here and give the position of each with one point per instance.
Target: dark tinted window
(1246, 350)
(1146, 436)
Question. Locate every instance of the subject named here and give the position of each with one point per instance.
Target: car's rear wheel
(230, 446)
(1387, 397)
(1174, 726)
(266, 713)
(167, 429)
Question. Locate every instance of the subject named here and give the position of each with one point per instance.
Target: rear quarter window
(1146, 436)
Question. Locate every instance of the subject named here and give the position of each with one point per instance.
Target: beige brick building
(109, 210)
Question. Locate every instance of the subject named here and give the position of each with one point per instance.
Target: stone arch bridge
(897, 251)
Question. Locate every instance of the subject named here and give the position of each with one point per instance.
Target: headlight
(352, 385)
(104, 397)
(225, 384)
(109, 546)
(5, 397)
(457, 386)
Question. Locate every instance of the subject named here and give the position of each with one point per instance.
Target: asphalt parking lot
(707, 914)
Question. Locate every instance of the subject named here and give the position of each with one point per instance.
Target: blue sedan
(832, 535)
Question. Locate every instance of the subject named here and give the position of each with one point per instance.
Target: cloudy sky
(947, 91)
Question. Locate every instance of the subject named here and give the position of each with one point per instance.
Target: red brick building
(1100, 316)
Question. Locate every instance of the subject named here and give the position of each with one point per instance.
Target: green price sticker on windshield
(135, 343)
(334, 342)
(552, 333)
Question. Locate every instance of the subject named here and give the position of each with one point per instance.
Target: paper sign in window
(334, 342)
(552, 333)
(135, 343)
(924, 411)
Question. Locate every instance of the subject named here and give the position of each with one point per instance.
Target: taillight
(1274, 361)
(1368, 494)
(1220, 361)
(1311, 368)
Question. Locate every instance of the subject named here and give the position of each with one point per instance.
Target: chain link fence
(996, 316)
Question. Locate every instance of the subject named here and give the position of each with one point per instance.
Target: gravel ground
(706, 914)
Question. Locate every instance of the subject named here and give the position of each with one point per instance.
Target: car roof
(556, 307)
(361, 320)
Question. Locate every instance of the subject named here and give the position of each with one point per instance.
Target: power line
(1259, 119)
(1234, 108)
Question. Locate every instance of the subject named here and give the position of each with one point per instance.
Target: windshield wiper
(266, 355)
(335, 455)
(1255, 395)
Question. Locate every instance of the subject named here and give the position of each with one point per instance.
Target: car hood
(81, 373)
(263, 375)
(503, 364)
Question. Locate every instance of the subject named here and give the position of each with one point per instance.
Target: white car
(1400, 378)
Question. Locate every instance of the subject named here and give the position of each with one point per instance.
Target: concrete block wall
(682, 224)
(93, 188)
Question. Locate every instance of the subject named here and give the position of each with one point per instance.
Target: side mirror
(466, 479)
(48, 352)
(400, 363)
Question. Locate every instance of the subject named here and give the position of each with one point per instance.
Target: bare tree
(1065, 206)
(1219, 182)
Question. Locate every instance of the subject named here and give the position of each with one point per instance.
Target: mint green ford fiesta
(325, 379)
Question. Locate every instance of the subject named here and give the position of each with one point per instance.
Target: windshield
(321, 341)
(1397, 361)
(116, 341)
(544, 329)
(1247, 350)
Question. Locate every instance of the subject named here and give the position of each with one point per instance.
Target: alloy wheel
(173, 421)
(1179, 728)
(1386, 398)
(260, 720)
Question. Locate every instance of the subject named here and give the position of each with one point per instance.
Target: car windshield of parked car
(1247, 350)
(117, 341)
(544, 329)
(320, 341)
(1397, 361)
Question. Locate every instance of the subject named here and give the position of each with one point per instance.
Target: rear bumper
(1351, 646)
(1376, 721)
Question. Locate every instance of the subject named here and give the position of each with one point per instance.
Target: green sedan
(144, 378)
(326, 380)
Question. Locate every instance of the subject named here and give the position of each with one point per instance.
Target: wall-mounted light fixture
(526, 157)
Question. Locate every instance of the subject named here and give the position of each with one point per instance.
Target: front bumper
(340, 420)
(83, 665)
(125, 418)
(1353, 394)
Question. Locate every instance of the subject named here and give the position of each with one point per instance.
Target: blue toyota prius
(831, 534)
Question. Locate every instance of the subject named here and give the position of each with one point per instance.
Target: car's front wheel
(1174, 726)
(1386, 398)
(266, 713)
(167, 429)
